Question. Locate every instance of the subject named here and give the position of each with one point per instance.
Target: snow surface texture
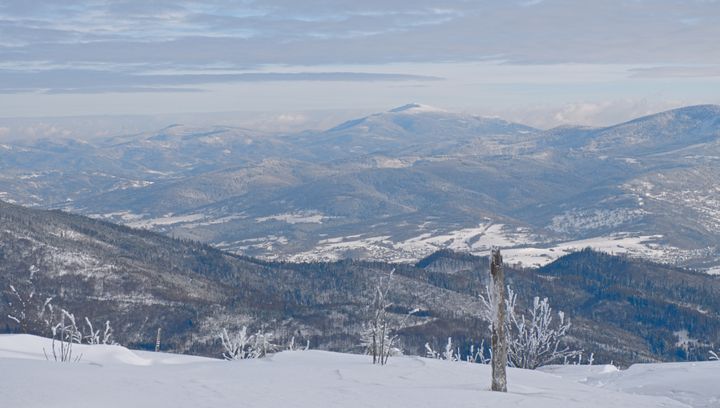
(113, 376)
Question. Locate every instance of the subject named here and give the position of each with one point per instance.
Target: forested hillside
(622, 310)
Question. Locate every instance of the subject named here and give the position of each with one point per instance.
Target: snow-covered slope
(116, 377)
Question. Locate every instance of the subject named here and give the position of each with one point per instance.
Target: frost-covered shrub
(292, 346)
(449, 353)
(35, 313)
(242, 345)
(536, 338)
(65, 333)
(452, 353)
(26, 306)
(99, 336)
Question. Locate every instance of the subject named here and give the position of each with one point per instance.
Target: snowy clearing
(474, 240)
(296, 218)
(713, 271)
(641, 246)
(113, 376)
(162, 221)
(519, 246)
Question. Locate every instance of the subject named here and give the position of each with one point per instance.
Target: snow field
(113, 376)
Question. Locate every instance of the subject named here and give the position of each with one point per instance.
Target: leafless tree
(27, 307)
(378, 337)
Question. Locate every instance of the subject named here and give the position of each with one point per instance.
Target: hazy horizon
(89, 127)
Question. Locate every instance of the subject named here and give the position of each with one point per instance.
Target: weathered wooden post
(499, 338)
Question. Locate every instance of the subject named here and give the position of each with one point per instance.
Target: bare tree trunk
(382, 341)
(157, 340)
(499, 339)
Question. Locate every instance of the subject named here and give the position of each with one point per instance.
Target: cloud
(608, 112)
(594, 113)
(316, 32)
(677, 72)
(117, 89)
(57, 81)
(286, 118)
(169, 47)
(530, 3)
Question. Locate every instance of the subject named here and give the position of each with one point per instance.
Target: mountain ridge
(402, 190)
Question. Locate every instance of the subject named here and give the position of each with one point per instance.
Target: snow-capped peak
(415, 108)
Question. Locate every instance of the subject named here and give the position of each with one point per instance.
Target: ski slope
(113, 376)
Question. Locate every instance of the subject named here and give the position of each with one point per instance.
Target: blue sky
(543, 62)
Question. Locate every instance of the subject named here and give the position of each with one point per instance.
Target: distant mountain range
(399, 185)
(621, 309)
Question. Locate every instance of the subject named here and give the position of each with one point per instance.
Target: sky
(541, 62)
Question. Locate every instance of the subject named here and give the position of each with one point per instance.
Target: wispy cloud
(677, 72)
(93, 47)
(111, 89)
(530, 3)
(58, 81)
(372, 31)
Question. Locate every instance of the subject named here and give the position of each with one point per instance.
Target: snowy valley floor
(113, 376)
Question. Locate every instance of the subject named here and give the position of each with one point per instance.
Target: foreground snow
(695, 384)
(112, 376)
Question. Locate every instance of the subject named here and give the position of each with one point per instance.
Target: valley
(399, 185)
